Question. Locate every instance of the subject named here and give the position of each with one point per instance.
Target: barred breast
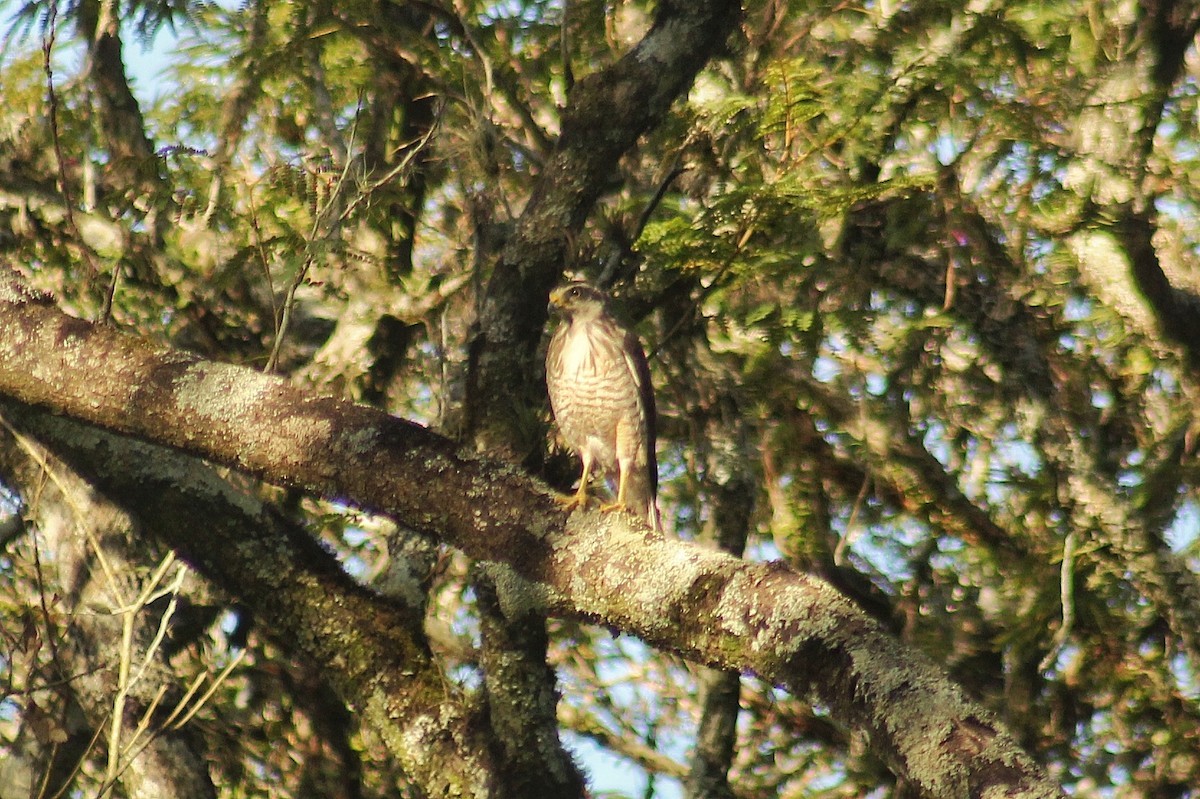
(593, 392)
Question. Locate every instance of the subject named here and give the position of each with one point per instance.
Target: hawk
(603, 401)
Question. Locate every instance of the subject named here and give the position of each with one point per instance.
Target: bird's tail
(640, 498)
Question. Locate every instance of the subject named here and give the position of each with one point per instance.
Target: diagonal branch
(791, 629)
(1177, 310)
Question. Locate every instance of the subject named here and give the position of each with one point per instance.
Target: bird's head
(578, 300)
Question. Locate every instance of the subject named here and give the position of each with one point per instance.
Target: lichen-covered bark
(791, 629)
(522, 696)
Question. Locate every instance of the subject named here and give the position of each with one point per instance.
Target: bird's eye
(574, 292)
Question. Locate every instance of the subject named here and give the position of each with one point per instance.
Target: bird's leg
(624, 465)
(579, 498)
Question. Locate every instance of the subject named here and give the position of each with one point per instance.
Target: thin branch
(321, 230)
(1066, 589)
(608, 274)
(847, 538)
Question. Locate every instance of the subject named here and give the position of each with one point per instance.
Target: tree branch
(1177, 311)
(731, 488)
(133, 165)
(790, 629)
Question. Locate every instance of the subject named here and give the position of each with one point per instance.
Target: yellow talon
(577, 500)
(619, 503)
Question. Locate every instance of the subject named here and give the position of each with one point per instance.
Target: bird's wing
(639, 369)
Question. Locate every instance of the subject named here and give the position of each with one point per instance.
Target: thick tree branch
(133, 165)
(1177, 311)
(790, 629)
(521, 695)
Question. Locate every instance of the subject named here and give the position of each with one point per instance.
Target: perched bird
(602, 398)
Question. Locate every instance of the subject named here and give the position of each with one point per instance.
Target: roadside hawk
(602, 398)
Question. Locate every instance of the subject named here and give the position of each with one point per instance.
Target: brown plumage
(603, 400)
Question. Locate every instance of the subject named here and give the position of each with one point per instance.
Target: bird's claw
(577, 500)
(570, 502)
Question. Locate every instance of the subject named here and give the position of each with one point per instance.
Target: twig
(1066, 582)
(608, 274)
(319, 221)
(169, 722)
(216, 683)
(420, 145)
(839, 552)
(124, 681)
